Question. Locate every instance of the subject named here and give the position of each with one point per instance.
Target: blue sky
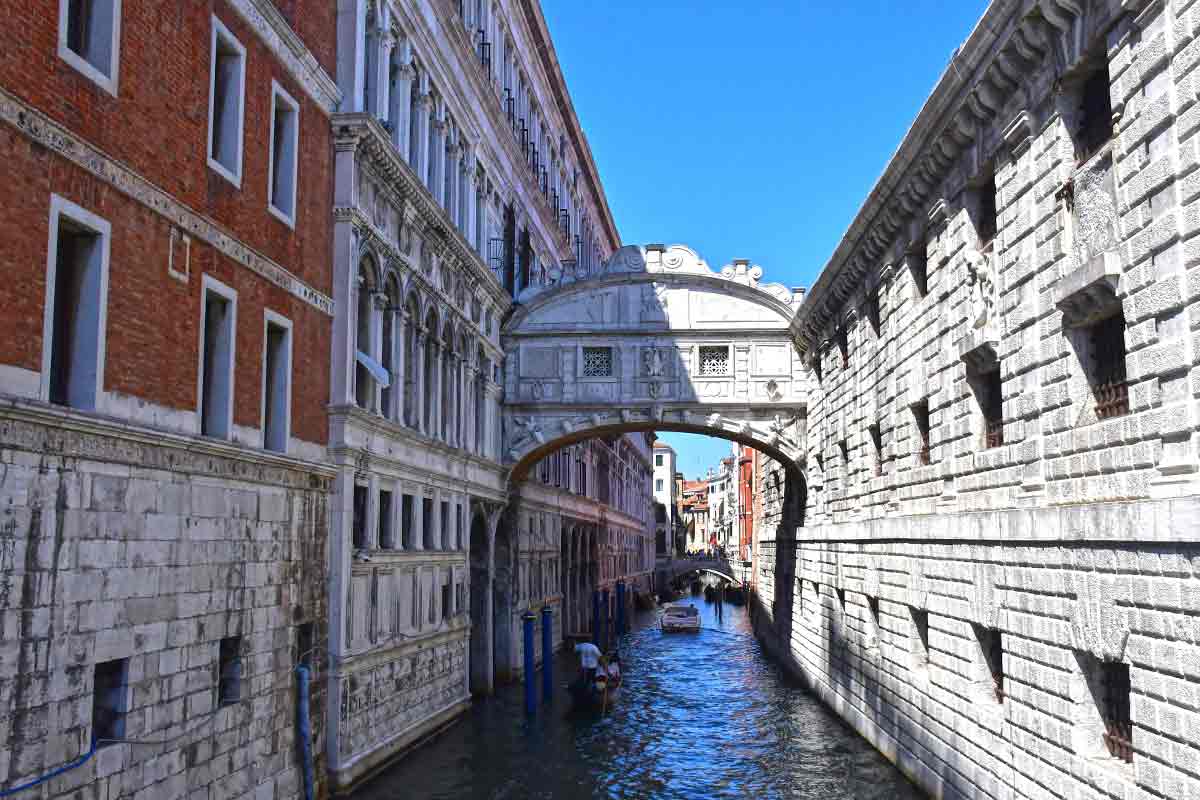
(748, 130)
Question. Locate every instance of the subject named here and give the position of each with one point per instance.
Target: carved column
(400, 96)
(418, 520)
(420, 396)
(492, 432)
(437, 154)
(396, 364)
(452, 200)
(383, 83)
(421, 167)
(473, 186)
(379, 304)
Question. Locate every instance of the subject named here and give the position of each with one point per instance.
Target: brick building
(995, 579)
(163, 511)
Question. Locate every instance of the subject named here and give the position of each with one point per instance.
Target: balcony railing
(1112, 399)
(993, 435)
(495, 258)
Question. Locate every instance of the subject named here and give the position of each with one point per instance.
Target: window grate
(1118, 725)
(597, 362)
(714, 361)
(1111, 389)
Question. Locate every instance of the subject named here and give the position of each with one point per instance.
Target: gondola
(596, 695)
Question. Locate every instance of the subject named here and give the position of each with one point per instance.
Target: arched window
(412, 359)
(481, 361)
(390, 352)
(430, 394)
(364, 384)
(447, 381)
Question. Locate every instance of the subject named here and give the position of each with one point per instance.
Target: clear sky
(748, 130)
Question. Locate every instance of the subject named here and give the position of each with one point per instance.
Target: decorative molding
(58, 139)
(287, 46)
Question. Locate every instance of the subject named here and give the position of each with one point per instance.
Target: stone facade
(995, 577)
(164, 508)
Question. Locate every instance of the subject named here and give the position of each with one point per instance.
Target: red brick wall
(158, 123)
(158, 126)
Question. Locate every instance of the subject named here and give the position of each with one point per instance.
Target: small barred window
(714, 360)
(597, 362)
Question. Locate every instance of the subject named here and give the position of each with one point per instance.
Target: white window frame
(61, 207)
(220, 32)
(106, 82)
(272, 318)
(279, 94)
(211, 284)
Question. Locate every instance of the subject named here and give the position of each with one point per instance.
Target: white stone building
(462, 180)
(996, 576)
(664, 491)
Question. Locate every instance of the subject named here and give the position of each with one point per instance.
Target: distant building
(664, 492)
(695, 512)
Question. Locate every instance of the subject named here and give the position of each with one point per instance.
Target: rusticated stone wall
(121, 543)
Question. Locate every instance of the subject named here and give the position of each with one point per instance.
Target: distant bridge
(715, 566)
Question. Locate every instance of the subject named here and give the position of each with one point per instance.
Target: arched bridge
(654, 340)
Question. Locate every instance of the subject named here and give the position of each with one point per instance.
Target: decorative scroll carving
(981, 279)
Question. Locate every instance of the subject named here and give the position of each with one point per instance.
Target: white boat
(680, 618)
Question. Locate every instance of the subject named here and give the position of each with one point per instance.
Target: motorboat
(680, 618)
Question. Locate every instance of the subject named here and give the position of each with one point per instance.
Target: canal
(704, 715)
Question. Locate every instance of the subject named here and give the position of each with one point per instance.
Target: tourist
(589, 659)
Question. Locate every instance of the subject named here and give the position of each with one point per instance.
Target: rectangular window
(277, 383)
(597, 362)
(285, 139)
(1095, 127)
(386, 536)
(427, 518)
(992, 652)
(843, 344)
(918, 268)
(714, 360)
(876, 448)
(446, 601)
(76, 306)
(873, 312)
(229, 671)
(985, 212)
(920, 413)
(1115, 710)
(226, 103)
(1106, 368)
(359, 522)
(446, 531)
(658, 460)
(919, 642)
(89, 39)
(658, 485)
(406, 522)
(216, 353)
(110, 692)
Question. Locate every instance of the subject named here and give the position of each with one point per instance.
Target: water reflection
(702, 715)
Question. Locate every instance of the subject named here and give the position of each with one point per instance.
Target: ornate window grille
(597, 362)
(1118, 725)
(1108, 355)
(714, 360)
(495, 257)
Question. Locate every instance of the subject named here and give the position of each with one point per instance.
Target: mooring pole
(596, 617)
(620, 609)
(547, 654)
(606, 621)
(530, 692)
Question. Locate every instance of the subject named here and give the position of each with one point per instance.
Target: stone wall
(119, 543)
(1001, 501)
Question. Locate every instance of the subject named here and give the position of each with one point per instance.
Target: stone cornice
(66, 433)
(363, 133)
(289, 48)
(986, 86)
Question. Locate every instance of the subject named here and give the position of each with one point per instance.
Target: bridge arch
(653, 340)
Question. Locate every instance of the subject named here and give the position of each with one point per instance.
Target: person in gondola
(589, 660)
(614, 669)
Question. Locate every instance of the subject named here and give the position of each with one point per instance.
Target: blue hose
(38, 781)
(303, 726)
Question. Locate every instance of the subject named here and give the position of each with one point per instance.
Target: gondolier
(589, 659)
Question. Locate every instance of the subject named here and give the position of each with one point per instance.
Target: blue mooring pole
(606, 622)
(530, 691)
(620, 609)
(596, 618)
(547, 654)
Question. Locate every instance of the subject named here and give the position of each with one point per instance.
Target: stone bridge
(653, 340)
(715, 566)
